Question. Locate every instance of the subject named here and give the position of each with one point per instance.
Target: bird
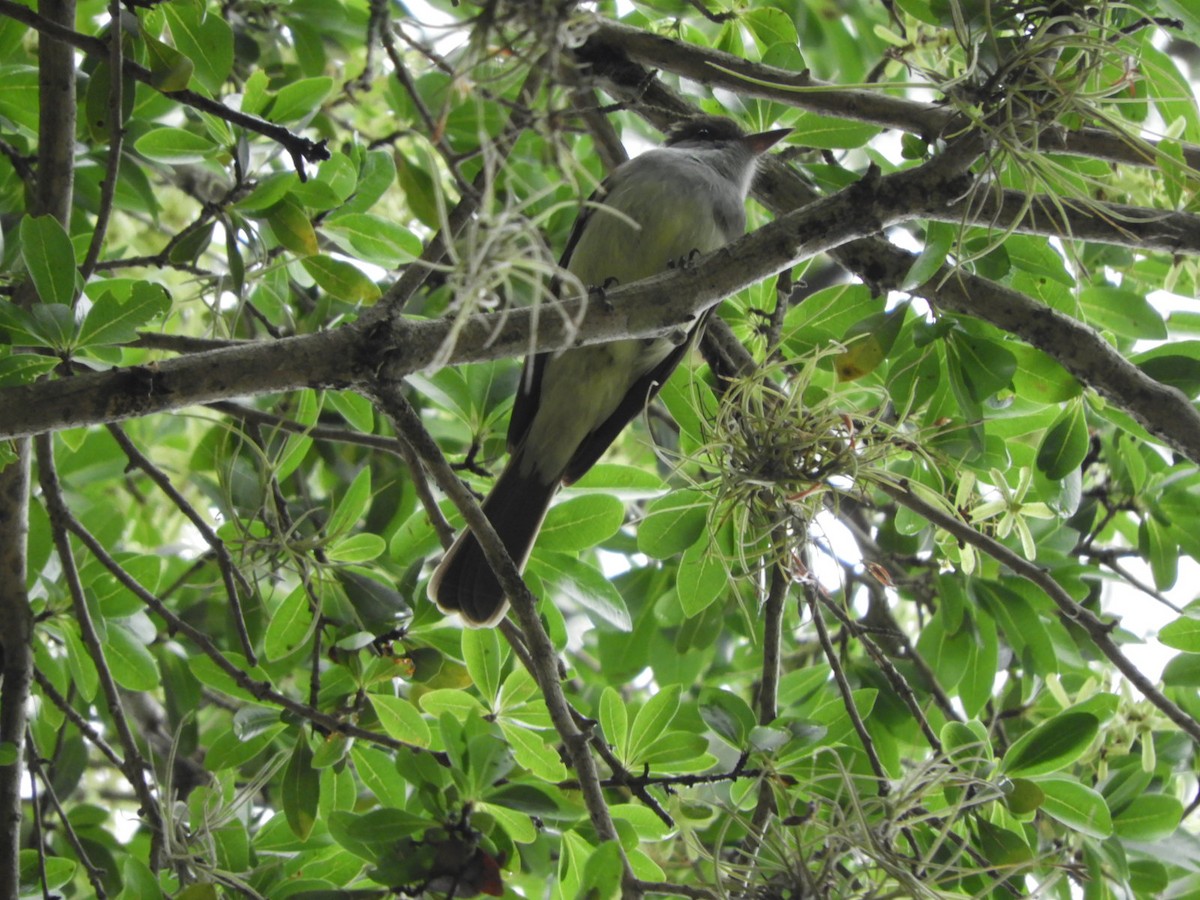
(665, 205)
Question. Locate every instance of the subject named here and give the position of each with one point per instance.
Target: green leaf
(1179, 370)
(484, 658)
(23, 368)
(569, 579)
(833, 133)
(728, 715)
(602, 873)
(533, 753)
(170, 70)
(356, 548)
(1150, 817)
(1158, 545)
(301, 789)
(582, 522)
(139, 883)
(770, 26)
(268, 192)
(49, 257)
(985, 366)
(290, 625)
(672, 523)
(868, 343)
(1182, 634)
(948, 654)
(1041, 378)
(1001, 847)
(113, 321)
(380, 826)
(342, 279)
(378, 772)
(1035, 255)
(1021, 624)
(457, 703)
(1078, 807)
(614, 720)
(1052, 745)
(1182, 671)
(1123, 312)
(518, 825)
(175, 145)
(401, 720)
(84, 675)
(19, 326)
(939, 238)
(96, 109)
(19, 101)
(1025, 797)
(703, 577)
(353, 504)
(300, 99)
(207, 40)
(975, 688)
(652, 720)
(1065, 444)
(292, 228)
(374, 238)
(229, 750)
(354, 408)
(132, 665)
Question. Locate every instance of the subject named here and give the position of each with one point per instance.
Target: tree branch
(1097, 630)
(51, 195)
(524, 604)
(717, 69)
(301, 149)
(1163, 410)
(134, 766)
(354, 355)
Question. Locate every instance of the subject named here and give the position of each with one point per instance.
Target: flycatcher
(685, 197)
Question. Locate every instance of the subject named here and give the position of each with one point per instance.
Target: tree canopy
(832, 618)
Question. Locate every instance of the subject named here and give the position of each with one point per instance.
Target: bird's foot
(599, 292)
(684, 262)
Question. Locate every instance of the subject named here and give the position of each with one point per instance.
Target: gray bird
(684, 197)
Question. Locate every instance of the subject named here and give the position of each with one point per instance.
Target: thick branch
(52, 196)
(1164, 411)
(801, 90)
(1086, 220)
(353, 355)
(16, 654)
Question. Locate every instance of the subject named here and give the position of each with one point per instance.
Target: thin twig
(260, 690)
(839, 677)
(116, 140)
(85, 727)
(390, 398)
(134, 766)
(38, 840)
(899, 684)
(231, 576)
(36, 773)
(301, 149)
(1097, 630)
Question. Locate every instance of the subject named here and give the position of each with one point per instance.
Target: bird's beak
(765, 140)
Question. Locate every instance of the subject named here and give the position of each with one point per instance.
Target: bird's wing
(525, 404)
(635, 399)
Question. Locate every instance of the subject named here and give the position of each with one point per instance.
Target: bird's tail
(464, 582)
